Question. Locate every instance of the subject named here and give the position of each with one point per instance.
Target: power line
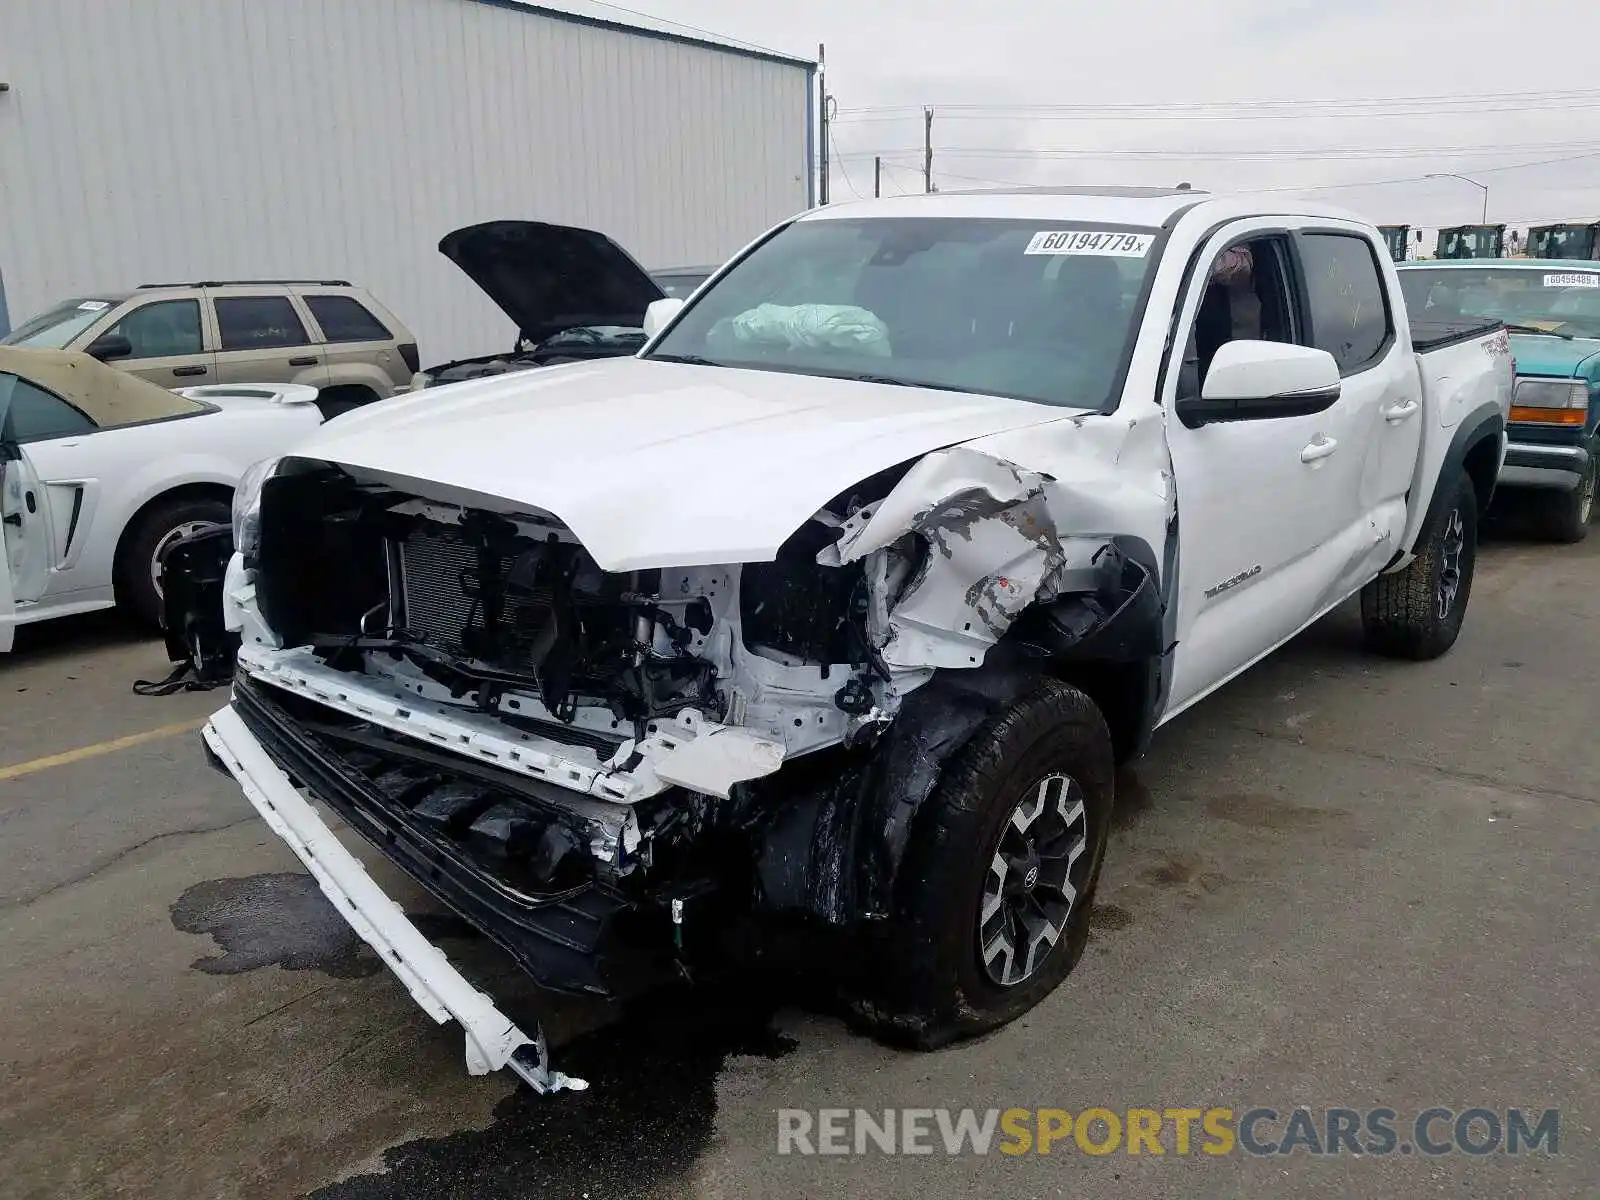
(1194, 155)
(1189, 115)
(1459, 101)
(1322, 187)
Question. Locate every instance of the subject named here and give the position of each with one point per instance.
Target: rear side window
(31, 414)
(344, 319)
(162, 329)
(1349, 310)
(258, 323)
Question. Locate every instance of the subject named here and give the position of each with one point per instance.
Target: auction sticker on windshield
(1572, 280)
(1090, 241)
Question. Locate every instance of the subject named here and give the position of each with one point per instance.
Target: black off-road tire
(933, 986)
(1566, 515)
(1416, 613)
(135, 589)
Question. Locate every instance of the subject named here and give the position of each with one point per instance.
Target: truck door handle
(188, 370)
(309, 360)
(1400, 412)
(1320, 448)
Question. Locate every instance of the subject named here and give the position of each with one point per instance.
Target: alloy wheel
(1034, 880)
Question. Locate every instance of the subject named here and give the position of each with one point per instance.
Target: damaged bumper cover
(493, 1040)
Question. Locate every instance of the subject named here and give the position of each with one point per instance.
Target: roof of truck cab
(1140, 207)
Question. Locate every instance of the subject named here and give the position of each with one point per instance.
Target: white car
(100, 471)
(827, 617)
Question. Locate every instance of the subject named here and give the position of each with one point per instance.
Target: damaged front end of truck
(620, 775)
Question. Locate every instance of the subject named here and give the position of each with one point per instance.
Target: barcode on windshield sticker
(1090, 241)
(1572, 280)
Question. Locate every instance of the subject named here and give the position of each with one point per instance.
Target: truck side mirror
(659, 315)
(1253, 380)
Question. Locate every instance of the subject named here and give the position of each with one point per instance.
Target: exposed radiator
(437, 574)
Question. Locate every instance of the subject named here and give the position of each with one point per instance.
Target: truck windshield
(55, 329)
(1032, 310)
(1562, 302)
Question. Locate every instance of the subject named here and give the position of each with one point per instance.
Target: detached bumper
(1535, 466)
(493, 1041)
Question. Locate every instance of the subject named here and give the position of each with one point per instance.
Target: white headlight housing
(1552, 393)
(247, 505)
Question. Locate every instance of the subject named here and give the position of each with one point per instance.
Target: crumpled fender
(993, 551)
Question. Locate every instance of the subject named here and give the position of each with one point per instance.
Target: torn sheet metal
(684, 748)
(493, 1040)
(993, 550)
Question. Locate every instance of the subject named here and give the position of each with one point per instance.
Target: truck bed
(1436, 333)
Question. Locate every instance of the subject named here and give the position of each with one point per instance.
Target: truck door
(25, 530)
(1260, 509)
(1347, 292)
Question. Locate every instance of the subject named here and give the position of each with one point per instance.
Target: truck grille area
(517, 870)
(508, 613)
(441, 590)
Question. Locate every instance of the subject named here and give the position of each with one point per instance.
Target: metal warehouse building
(168, 140)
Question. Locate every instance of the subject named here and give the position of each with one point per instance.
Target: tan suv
(325, 333)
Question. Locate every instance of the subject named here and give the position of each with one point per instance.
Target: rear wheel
(138, 569)
(1567, 514)
(993, 909)
(1417, 613)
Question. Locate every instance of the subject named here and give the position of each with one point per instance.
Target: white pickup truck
(831, 612)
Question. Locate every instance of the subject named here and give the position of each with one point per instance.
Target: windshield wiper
(1530, 329)
(896, 381)
(694, 360)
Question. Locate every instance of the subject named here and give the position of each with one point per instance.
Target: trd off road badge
(1226, 584)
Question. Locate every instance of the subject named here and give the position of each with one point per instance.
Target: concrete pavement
(1340, 882)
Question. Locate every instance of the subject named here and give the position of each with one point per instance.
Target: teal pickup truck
(1552, 308)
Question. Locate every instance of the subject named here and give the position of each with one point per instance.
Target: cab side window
(1350, 316)
(162, 329)
(31, 414)
(1249, 295)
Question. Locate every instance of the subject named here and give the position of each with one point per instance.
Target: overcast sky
(884, 53)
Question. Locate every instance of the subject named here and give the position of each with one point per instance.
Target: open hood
(548, 278)
(656, 464)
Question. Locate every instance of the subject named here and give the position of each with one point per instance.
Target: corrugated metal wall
(146, 140)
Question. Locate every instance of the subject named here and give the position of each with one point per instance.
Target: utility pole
(877, 176)
(822, 92)
(927, 150)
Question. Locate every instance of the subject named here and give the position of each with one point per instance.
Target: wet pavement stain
(272, 920)
(1174, 870)
(649, 1112)
(1267, 812)
(1109, 917)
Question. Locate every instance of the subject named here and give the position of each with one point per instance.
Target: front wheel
(993, 909)
(1417, 613)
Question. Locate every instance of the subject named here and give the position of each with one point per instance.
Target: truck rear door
(1349, 285)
